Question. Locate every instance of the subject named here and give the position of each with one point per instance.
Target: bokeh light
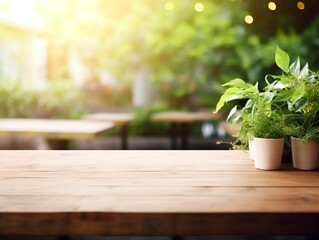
(249, 19)
(272, 6)
(169, 6)
(199, 7)
(301, 5)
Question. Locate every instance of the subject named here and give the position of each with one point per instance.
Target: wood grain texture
(185, 117)
(117, 118)
(53, 128)
(152, 193)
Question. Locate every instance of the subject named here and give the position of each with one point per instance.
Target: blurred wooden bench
(119, 119)
(60, 131)
(184, 119)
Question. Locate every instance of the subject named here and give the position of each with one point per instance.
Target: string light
(301, 5)
(249, 19)
(272, 6)
(199, 7)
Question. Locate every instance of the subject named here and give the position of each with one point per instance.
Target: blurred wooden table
(184, 119)
(143, 193)
(61, 131)
(119, 119)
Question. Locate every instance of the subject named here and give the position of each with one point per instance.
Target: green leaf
(279, 85)
(237, 82)
(299, 93)
(284, 95)
(251, 89)
(232, 112)
(220, 103)
(269, 96)
(282, 60)
(294, 68)
(304, 71)
(300, 106)
(235, 97)
(229, 94)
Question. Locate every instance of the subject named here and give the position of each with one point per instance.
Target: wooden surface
(52, 128)
(152, 193)
(185, 117)
(117, 118)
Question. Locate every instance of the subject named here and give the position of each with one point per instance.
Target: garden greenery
(287, 106)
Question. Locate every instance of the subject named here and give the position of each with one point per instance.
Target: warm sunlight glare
(169, 6)
(199, 7)
(23, 12)
(272, 6)
(249, 19)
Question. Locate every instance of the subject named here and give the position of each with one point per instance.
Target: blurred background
(63, 59)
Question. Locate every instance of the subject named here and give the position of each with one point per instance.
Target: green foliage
(239, 89)
(62, 99)
(208, 47)
(56, 100)
(303, 126)
(282, 60)
(17, 100)
(267, 124)
(143, 126)
(287, 106)
(297, 90)
(174, 44)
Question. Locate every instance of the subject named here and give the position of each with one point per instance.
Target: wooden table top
(185, 117)
(152, 193)
(52, 128)
(117, 118)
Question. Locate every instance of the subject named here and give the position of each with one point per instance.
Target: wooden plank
(157, 224)
(186, 117)
(160, 199)
(217, 179)
(118, 161)
(117, 118)
(53, 128)
(164, 200)
(152, 193)
(144, 156)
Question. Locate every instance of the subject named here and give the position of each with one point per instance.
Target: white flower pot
(251, 147)
(305, 156)
(268, 153)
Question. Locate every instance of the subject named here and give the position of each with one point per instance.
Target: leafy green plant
(264, 123)
(264, 114)
(297, 91)
(17, 100)
(56, 100)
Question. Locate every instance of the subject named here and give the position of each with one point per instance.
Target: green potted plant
(261, 123)
(267, 126)
(238, 89)
(297, 90)
(263, 116)
(305, 142)
(287, 106)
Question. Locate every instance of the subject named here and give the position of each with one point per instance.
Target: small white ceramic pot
(305, 156)
(251, 147)
(268, 153)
